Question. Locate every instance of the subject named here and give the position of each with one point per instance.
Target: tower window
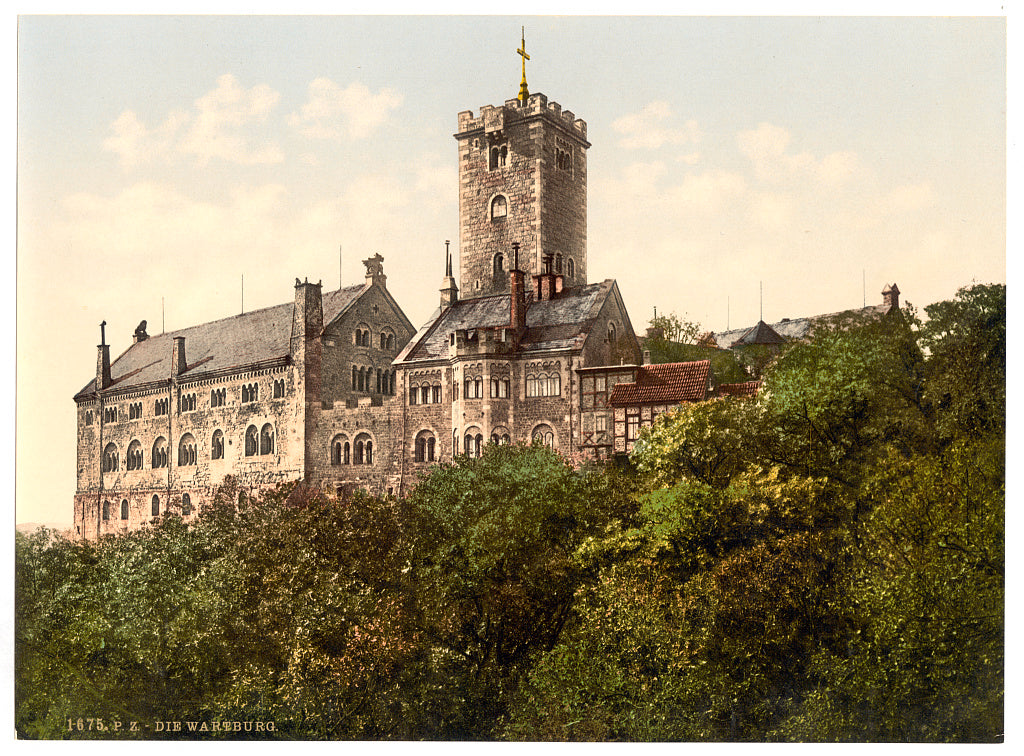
(499, 264)
(499, 208)
(570, 268)
(498, 156)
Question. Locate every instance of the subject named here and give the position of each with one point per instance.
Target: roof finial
(524, 91)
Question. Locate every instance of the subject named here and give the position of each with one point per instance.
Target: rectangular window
(414, 395)
(632, 425)
(601, 423)
(425, 394)
(499, 388)
(436, 390)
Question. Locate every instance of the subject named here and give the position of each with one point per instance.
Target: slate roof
(669, 383)
(251, 338)
(560, 323)
(800, 328)
(750, 388)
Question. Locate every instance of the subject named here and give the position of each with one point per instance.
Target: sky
(740, 167)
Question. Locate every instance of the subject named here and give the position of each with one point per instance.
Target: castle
(338, 389)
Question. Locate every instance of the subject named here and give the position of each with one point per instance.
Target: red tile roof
(750, 388)
(671, 383)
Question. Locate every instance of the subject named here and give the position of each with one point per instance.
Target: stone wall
(542, 176)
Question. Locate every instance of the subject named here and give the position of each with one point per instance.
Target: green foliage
(705, 442)
(844, 399)
(823, 562)
(966, 377)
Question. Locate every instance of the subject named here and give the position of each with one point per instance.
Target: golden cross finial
(524, 91)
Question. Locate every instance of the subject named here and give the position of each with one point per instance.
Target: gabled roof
(762, 334)
(750, 388)
(669, 383)
(251, 338)
(560, 323)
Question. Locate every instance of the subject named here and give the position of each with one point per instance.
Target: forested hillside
(824, 562)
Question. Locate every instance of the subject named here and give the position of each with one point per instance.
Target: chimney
(891, 296)
(517, 292)
(449, 290)
(103, 360)
(647, 356)
(178, 365)
(308, 313)
(544, 284)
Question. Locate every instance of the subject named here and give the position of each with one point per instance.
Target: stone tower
(522, 178)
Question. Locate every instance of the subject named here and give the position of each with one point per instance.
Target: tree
(493, 539)
(965, 339)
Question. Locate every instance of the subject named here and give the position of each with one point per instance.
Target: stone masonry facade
(338, 390)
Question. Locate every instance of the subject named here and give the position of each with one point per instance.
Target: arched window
(558, 263)
(186, 451)
(383, 341)
(500, 435)
(155, 510)
(474, 442)
(217, 445)
(366, 338)
(106, 510)
(346, 454)
(355, 375)
(124, 509)
(435, 392)
(391, 341)
(160, 452)
(110, 458)
(425, 446)
(267, 439)
(612, 336)
(378, 380)
(570, 268)
(499, 264)
(363, 450)
(339, 450)
(186, 504)
(543, 434)
(251, 441)
(499, 208)
(133, 459)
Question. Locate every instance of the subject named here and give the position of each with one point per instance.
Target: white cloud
(335, 113)
(766, 147)
(648, 130)
(218, 127)
(217, 131)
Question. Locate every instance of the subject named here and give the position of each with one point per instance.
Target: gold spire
(524, 91)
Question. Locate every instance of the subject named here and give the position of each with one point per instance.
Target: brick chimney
(178, 364)
(517, 292)
(103, 360)
(544, 284)
(891, 296)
